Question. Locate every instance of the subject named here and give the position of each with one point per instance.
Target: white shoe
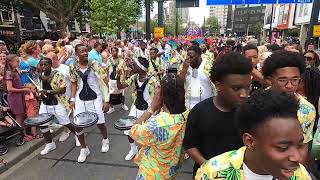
(64, 135)
(49, 147)
(77, 141)
(111, 110)
(105, 145)
(126, 132)
(131, 154)
(124, 107)
(84, 152)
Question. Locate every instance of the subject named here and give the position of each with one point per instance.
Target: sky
(196, 14)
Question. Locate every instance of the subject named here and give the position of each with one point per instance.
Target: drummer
(195, 70)
(114, 63)
(89, 92)
(53, 100)
(156, 65)
(142, 88)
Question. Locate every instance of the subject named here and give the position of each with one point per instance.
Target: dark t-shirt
(211, 131)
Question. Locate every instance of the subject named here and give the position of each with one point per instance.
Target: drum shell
(116, 99)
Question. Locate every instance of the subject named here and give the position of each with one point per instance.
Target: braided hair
(311, 78)
(172, 87)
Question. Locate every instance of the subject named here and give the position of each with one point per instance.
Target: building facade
(28, 23)
(221, 13)
(247, 19)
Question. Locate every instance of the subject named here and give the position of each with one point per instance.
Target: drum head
(125, 123)
(39, 120)
(85, 119)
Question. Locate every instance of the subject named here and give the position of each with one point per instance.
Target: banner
(229, 2)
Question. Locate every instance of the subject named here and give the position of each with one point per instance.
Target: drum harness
(140, 102)
(86, 94)
(50, 99)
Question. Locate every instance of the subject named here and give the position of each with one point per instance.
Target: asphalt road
(61, 164)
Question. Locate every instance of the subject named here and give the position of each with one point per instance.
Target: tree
(61, 11)
(113, 16)
(212, 24)
(257, 28)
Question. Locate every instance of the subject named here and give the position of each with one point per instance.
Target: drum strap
(140, 102)
(86, 94)
(114, 71)
(50, 100)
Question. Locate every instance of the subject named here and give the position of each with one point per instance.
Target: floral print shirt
(59, 81)
(158, 65)
(306, 116)
(131, 82)
(161, 145)
(121, 64)
(229, 166)
(100, 72)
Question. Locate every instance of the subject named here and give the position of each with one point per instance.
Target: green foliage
(112, 16)
(60, 11)
(212, 24)
(257, 28)
(170, 28)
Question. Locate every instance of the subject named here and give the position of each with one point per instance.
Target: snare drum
(125, 123)
(85, 119)
(39, 120)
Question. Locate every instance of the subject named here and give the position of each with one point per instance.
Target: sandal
(3, 161)
(37, 136)
(28, 138)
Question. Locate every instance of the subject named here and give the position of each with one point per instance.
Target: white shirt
(198, 86)
(65, 71)
(249, 175)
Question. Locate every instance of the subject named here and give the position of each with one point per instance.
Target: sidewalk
(17, 153)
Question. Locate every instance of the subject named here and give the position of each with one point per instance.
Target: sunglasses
(308, 58)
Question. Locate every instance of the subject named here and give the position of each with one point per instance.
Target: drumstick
(72, 110)
(14, 120)
(34, 83)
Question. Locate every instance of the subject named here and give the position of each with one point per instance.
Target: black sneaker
(20, 142)
(3, 150)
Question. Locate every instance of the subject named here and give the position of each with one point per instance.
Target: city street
(62, 162)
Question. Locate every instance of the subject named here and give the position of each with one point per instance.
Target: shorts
(90, 106)
(59, 111)
(135, 112)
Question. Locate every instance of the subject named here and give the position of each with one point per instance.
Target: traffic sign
(158, 32)
(316, 31)
(226, 2)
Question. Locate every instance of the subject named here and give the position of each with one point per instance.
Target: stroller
(7, 133)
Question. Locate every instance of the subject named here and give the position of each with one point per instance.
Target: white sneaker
(131, 154)
(111, 110)
(126, 132)
(105, 145)
(49, 147)
(84, 152)
(77, 141)
(125, 107)
(64, 135)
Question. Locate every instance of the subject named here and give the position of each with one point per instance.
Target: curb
(27, 152)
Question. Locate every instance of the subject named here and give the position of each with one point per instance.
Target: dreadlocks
(173, 91)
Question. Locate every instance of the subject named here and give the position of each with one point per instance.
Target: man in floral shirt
(284, 69)
(273, 140)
